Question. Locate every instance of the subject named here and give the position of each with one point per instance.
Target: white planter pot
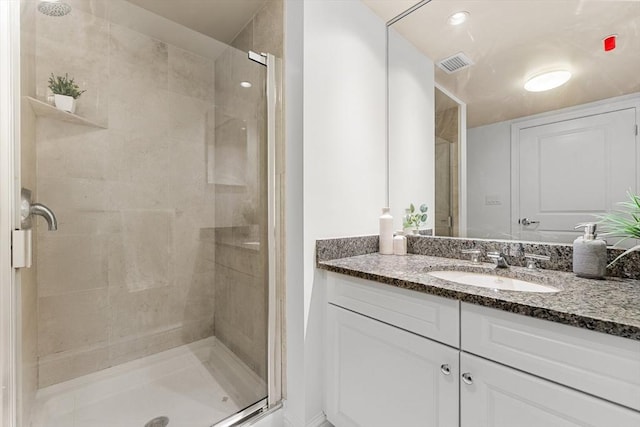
(65, 103)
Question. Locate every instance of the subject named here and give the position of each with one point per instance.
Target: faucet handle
(499, 258)
(475, 255)
(533, 258)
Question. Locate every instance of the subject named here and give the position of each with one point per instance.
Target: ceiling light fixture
(246, 84)
(547, 81)
(458, 18)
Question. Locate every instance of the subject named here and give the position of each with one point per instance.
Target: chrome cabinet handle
(445, 369)
(527, 221)
(466, 377)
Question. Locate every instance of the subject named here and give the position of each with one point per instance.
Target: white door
(381, 376)
(493, 395)
(568, 171)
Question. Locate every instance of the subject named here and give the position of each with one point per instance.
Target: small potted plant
(623, 223)
(414, 218)
(65, 92)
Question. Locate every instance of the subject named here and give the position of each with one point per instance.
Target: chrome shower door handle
(28, 209)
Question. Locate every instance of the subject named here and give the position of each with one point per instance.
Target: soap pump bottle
(589, 254)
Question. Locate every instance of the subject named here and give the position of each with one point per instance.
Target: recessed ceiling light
(245, 84)
(458, 18)
(547, 81)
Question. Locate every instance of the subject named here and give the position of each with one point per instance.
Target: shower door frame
(9, 182)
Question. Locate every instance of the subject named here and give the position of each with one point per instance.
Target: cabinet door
(381, 376)
(498, 396)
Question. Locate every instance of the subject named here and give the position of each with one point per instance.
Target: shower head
(53, 8)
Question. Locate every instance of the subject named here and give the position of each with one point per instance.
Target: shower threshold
(199, 384)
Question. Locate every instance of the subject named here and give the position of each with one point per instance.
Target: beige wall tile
(187, 120)
(244, 40)
(136, 313)
(72, 321)
(134, 348)
(268, 28)
(68, 264)
(71, 155)
(136, 60)
(83, 223)
(194, 331)
(138, 111)
(190, 74)
(69, 365)
(62, 193)
(140, 256)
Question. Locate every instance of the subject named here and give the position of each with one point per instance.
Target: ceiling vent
(455, 63)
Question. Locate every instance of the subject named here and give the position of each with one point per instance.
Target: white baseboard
(319, 420)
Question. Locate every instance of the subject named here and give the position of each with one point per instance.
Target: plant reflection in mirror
(413, 218)
(623, 223)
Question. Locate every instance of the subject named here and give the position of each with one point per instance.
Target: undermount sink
(492, 281)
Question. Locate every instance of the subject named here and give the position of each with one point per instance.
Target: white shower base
(195, 385)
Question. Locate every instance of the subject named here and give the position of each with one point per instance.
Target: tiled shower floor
(194, 385)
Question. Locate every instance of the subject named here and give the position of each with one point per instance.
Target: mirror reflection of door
(447, 143)
(592, 157)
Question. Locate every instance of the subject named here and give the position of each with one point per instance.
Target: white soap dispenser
(589, 254)
(386, 232)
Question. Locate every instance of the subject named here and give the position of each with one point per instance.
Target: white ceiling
(219, 19)
(511, 40)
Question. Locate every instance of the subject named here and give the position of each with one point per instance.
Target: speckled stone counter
(610, 306)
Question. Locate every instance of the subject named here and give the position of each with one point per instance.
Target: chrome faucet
(499, 258)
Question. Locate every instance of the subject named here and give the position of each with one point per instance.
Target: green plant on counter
(415, 218)
(64, 86)
(623, 223)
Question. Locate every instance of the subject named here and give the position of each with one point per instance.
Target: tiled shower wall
(129, 272)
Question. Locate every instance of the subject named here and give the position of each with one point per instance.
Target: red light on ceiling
(610, 43)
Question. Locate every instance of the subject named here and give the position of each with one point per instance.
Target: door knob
(527, 221)
(28, 209)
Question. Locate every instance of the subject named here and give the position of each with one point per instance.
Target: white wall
(344, 166)
(489, 181)
(411, 129)
(294, 323)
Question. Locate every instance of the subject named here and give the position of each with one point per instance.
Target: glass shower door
(150, 302)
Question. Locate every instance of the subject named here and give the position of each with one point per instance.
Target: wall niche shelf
(42, 109)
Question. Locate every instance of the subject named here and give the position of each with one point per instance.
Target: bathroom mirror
(491, 158)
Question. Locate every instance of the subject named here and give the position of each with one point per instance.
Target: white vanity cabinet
(493, 395)
(382, 375)
(447, 364)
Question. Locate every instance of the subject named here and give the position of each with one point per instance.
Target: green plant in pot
(65, 92)
(623, 223)
(414, 218)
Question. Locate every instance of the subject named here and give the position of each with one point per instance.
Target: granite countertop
(610, 306)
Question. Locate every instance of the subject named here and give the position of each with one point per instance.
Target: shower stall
(155, 301)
